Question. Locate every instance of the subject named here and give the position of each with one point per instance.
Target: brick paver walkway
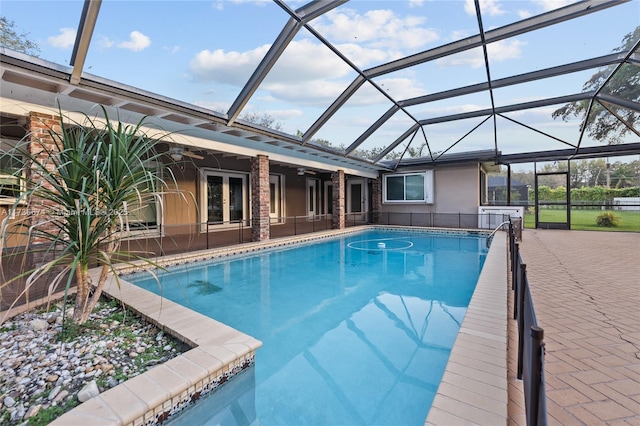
(586, 292)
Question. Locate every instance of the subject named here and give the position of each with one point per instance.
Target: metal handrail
(506, 222)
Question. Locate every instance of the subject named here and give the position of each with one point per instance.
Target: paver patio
(586, 292)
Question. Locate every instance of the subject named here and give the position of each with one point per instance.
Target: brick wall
(41, 145)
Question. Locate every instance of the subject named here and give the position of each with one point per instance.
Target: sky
(203, 52)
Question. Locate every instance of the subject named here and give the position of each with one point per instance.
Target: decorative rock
(38, 324)
(62, 395)
(54, 393)
(38, 371)
(32, 411)
(9, 402)
(88, 391)
(17, 414)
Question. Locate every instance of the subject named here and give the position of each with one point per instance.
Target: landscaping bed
(49, 365)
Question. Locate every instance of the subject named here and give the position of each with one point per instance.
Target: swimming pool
(355, 330)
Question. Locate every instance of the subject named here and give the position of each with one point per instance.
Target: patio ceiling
(448, 96)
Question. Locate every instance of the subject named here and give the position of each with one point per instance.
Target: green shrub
(607, 219)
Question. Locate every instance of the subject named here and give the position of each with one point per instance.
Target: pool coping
(218, 353)
(473, 388)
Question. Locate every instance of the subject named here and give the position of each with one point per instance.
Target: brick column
(260, 198)
(376, 199)
(337, 219)
(41, 144)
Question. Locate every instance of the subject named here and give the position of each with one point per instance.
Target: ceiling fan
(178, 153)
(302, 171)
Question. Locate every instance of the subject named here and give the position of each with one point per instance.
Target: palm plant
(80, 183)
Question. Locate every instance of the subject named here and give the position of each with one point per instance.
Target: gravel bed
(45, 369)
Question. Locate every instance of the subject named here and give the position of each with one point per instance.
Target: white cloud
(504, 50)
(548, 5)
(460, 34)
(256, 2)
(305, 60)
(498, 52)
(65, 39)
(232, 68)
(455, 109)
(105, 42)
(137, 42)
(401, 88)
(218, 4)
(487, 7)
(302, 61)
(314, 92)
(524, 14)
(306, 73)
(376, 28)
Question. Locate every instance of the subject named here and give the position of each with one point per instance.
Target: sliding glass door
(226, 197)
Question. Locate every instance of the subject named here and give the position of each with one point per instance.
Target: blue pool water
(356, 330)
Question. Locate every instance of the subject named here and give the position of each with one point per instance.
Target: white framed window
(408, 187)
(276, 198)
(11, 174)
(224, 197)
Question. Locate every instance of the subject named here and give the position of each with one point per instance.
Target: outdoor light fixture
(179, 153)
(302, 171)
(176, 154)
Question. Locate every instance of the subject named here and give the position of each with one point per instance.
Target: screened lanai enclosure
(338, 81)
(278, 118)
(371, 111)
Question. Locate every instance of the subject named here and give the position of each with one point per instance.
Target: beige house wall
(456, 190)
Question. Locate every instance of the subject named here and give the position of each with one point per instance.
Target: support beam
(83, 38)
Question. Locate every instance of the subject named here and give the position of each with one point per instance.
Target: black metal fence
(176, 238)
(169, 239)
(531, 347)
